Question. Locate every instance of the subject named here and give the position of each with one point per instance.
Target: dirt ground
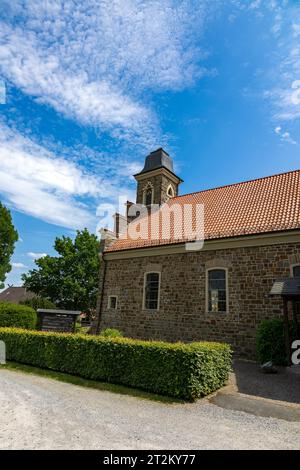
(253, 412)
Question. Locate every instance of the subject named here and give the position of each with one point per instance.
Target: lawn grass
(102, 386)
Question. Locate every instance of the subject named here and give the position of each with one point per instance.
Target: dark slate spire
(158, 159)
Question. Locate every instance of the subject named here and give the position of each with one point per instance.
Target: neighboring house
(15, 295)
(156, 289)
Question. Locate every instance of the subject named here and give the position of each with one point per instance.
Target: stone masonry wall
(160, 185)
(182, 315)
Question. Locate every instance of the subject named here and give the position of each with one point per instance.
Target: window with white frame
(170, 191)
(151, 291)
(112, 302)
(217, 295)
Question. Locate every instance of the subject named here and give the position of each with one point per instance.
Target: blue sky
(89, 88)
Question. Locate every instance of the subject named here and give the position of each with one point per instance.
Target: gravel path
(41, 413)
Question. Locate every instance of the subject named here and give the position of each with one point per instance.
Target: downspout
(107, 238)
(103, 268)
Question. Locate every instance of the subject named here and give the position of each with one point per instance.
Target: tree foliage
(8, 238)
(38, 302)
(70, 280)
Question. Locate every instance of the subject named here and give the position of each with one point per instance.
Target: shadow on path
(268, 395)
(284, 386)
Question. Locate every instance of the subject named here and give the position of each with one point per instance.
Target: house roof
(258, 206)
(288, 287)
(51, 311)
(157, 159)
(15, 295)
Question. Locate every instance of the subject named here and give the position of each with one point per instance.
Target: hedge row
(270, 341)
(20, 316)
(177, 370)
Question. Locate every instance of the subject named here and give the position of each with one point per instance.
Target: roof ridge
(236, 184)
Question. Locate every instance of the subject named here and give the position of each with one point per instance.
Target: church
(153, 287)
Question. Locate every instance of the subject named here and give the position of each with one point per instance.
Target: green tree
(38, 302)
(8, 238)
(69, 280)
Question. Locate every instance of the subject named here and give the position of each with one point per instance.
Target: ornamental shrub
(187, 371)
(270, 341)
(111, 333)
(18, 316)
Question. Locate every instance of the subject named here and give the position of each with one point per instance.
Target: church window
(217, 295)
(151, 291)
(170, 191)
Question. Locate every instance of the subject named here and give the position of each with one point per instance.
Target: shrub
(111, 333)
(270, 341)
(18, 316)
(38, 302)
(179, 370)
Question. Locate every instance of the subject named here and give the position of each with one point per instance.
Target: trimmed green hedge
(177, 370)
(19, 316)
(270, 341)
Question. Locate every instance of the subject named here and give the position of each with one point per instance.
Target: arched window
(170, 191)
(151, 291)
(148, 198)
(148, 195)
(217, 290)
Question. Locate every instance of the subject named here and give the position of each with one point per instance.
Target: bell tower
(157, 182)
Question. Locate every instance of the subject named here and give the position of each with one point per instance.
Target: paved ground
(269, 395)
(41, 413)
(284, 386)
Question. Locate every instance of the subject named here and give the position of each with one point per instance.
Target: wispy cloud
(53, 185)
(91, 60)
(285, 136)
(285, 93)
(97, 63)
(38, 183)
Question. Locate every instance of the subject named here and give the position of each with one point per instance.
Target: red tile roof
(258, 206)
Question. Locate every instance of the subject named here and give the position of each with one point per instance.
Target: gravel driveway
(41, 413)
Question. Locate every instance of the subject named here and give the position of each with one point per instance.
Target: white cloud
(285, 136)
(91, 60)
(41, 75)
(33, 255)
(97, 63)
(53, 186)
(278, 130)
(38, 183)
(285, 94)
(255, 4)
(18, 265)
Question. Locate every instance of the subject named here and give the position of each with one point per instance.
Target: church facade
(154, 288)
